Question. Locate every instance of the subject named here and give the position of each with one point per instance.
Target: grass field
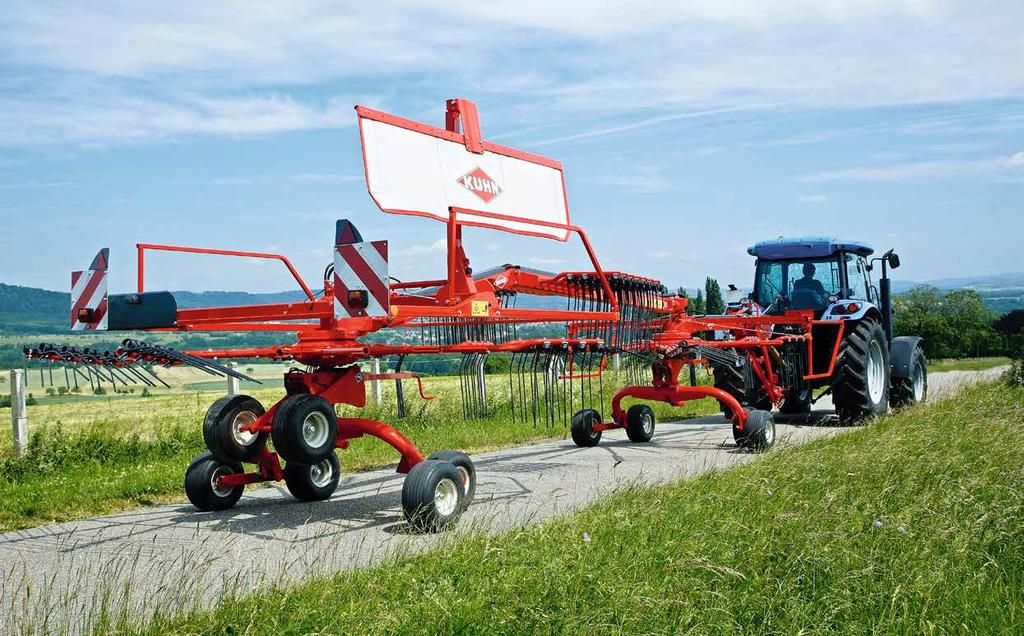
(99, 454)
(965, 364)
(914, 524)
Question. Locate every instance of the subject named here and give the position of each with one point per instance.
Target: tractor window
(856, 277)
(805, 284)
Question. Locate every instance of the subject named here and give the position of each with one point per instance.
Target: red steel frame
(331, 345)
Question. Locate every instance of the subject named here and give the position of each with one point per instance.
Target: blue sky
(687, 130)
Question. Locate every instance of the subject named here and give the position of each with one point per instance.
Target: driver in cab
(809, 284)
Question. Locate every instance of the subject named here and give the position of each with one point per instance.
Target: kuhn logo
(481, 184)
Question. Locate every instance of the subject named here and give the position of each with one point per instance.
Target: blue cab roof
(806, 247)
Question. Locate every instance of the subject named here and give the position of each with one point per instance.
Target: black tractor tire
(860, 386)
(313, 482)
(432, 495)
(466, 468)
(221, 424)
(911, 391)
(582, 428)
(758, 432)
(729, 378)
(797, 403)
(201, 487)
(304, 429)
(640, 422)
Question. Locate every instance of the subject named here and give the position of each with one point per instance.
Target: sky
(687, 130)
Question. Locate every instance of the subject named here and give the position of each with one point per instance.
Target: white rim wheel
(918, 381)
(647, 423)
(446, 497)
(769, 432)
(219, 490)
(243, 438)
(321, 473)
(315, 429)
(876, 371)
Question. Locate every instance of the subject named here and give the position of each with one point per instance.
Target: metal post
(19, 413)
(616, 361)
(233, 385)
(376, 383)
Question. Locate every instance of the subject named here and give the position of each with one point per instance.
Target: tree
(953, 325)
(698, 303)
(713, 301)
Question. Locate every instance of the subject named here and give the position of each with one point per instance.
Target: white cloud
(642, 179)
(921, 170)
(37, 185)
(326, 177)
(813, 198)
(537, 260)
(85, 73)
(440, 246)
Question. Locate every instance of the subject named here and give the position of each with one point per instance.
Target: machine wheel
(729, 378)
(467, 472)
(582, 428)
(221, 428)
(313, 482)
(640, 423)
(913, 390)
(432, 495)
(861, 386)
(798, 403)
(305, 429)
(758, 432)
(201, 483)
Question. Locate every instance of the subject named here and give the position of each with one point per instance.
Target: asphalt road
(173, 558)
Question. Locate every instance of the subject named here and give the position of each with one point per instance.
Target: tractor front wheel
(860, 388)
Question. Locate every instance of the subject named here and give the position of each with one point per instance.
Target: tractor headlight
(847, 309)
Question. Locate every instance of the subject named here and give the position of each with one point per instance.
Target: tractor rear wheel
(913, 390)
(730, 379)
(860, 388)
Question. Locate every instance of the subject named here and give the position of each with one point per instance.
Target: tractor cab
(821, 274)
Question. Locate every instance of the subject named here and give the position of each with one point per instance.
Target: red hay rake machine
(453, 175)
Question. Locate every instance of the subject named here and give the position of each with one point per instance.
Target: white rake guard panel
(89, 295)
(361, 266)
(416, 169)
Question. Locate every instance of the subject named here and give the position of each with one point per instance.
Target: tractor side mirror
(893, 259)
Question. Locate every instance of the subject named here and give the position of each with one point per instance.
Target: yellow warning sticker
(481, 308)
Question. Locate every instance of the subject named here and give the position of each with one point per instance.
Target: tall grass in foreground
(97, 457)
(914, 524)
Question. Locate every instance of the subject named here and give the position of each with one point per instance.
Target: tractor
(849, 352)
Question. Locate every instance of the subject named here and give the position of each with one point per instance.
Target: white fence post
(19, 413)
(377, 396)
(233, 386)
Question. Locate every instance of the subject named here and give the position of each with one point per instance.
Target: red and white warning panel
(89, 295)
(361, 279)
(413, 168)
